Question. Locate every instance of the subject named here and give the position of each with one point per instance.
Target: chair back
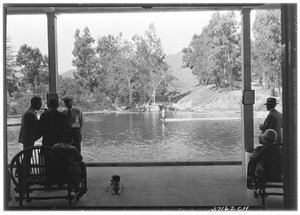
(42, 165)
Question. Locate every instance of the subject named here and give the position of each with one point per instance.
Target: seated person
(65, 147)
(59, 166)
(265, 139)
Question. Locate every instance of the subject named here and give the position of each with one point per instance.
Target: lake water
(142, 137)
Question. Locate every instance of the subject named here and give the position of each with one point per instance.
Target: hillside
(204, 97)
(211, 98)
(185, 79)
(68, 74)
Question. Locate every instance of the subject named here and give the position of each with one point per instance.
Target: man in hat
(273, 120)
(75, 119)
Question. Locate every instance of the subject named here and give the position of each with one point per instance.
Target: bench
(34, 169)
(266, 173)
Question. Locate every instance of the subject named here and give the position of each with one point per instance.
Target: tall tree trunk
(116, 101)
(231, 84)
(130, 93)
(35, 84)
(264, 81)
(129, 84)
(154, 91)
(229, 70)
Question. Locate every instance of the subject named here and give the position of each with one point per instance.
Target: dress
(250, 167)
(51, 126)
(60, 165)
(76, 120)
(28, 132)
(273, 121)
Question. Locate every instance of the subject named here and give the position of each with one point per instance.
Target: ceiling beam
(125, 8)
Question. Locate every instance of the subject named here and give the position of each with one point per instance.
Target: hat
(53, 103)
(268, 137)
(67, 98)
(271, 101)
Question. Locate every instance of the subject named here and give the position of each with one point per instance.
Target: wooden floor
(200, 187)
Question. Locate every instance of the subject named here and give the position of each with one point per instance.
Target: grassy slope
(211, 98)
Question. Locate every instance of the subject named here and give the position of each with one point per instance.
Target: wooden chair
(34, 169)
(266, 172)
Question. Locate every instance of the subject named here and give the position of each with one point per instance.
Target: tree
(33, 65)
(150, 58)
(142, 78)
(214, 55)
(11, 79)
(199, 57)
(267, 48)
(69, 86)
(126, 60)
(85, 60)
(109, 65)
(226, 41)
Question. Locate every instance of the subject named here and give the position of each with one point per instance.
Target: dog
(116, 184)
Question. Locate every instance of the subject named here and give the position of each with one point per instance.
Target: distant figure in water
(163, 113)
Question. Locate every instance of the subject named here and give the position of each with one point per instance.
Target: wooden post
(4, 129)
(289, 103)
(52, 52)
(247, 109)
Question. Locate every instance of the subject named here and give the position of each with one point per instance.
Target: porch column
(289, 104)
(247, 109)
(52, 52)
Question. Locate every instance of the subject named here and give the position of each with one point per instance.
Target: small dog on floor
(116, 185)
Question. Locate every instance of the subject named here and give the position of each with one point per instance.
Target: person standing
(76, 121)
(163, 113)
(273, 120)
(28, 131)
(52, 124)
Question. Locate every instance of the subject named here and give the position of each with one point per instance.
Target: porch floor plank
(198, 187)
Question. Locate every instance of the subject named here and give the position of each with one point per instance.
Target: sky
(175, 29)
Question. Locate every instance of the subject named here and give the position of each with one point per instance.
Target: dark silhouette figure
(52, 124)
(273, 120)
(28, 131)
(65, 147)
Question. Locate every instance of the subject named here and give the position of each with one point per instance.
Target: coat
(273, 121)
(28, 130)
(51, 126)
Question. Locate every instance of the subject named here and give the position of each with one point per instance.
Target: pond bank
(16, 119)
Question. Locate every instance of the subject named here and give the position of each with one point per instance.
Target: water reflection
(142, 137)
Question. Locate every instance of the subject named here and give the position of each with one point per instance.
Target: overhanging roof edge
(119, 8)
